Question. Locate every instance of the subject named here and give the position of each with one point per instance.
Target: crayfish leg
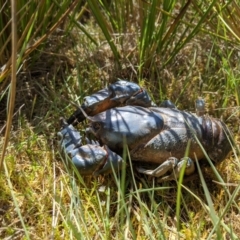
(172, 165)
(186, 163)
(166, 166)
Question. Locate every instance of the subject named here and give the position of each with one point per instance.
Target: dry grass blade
(13, 80)
(176, 21)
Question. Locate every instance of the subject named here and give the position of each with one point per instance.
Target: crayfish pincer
(122, 114)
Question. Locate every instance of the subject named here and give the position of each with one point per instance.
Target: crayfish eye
(96, 126)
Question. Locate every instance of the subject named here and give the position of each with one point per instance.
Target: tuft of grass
(33, 29)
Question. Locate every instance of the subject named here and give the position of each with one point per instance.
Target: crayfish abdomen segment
(217, 139)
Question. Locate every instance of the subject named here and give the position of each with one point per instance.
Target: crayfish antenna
(85, 114)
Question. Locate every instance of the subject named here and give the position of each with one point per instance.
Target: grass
(178, 52)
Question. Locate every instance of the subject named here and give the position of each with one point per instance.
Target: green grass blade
(104, 26)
